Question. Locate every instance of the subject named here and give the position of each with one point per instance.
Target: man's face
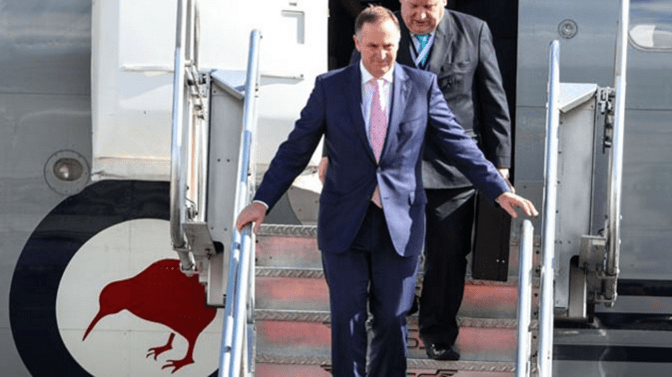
(422, 16)
(377, 44)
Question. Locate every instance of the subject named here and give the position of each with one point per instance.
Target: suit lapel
(352, 93)
(441, 47)
(400, 93)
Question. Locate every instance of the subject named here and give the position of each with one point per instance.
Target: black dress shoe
(442, 351)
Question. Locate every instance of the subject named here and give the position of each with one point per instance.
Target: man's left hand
(510, 201)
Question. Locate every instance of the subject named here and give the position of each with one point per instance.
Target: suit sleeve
(294, 154)
(495, 125)
(461, 148)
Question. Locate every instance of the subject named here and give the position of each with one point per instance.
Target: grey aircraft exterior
(59, 224)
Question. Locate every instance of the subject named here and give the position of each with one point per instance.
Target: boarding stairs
(276, 304)
(292, 315)
(287, 332)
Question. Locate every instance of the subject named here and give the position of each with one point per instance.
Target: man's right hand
(253, 213)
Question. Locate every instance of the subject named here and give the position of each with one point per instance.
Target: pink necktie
(378, 124)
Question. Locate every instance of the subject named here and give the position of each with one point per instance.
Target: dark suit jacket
(334, 109)
(463, 58)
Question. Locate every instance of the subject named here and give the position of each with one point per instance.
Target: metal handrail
(545, 354)
(189, 136)
(616, 160)
(239, 305)
(523, 347)
(190, 36)
(203, 142)
(197, 86)
(177, 172)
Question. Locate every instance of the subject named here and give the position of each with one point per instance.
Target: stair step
(307, 333)
(269, 364)
(291, 289)
(306, 289)
(292, 246)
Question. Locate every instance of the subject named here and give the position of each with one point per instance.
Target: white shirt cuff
(260, 202)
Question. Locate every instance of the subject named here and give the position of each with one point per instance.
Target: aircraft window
(651, 25)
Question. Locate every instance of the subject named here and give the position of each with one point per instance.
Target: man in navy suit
(372, 208)
(459, 49)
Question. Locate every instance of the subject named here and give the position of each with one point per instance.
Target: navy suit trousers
(372, 278)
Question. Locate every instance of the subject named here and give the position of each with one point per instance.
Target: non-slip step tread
(310, 272)
(289, 272)
(320, 316)
(413, 363)
(305, 231)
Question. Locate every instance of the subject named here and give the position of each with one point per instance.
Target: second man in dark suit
(458, 49)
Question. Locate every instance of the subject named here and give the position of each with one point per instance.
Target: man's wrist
(262, 203)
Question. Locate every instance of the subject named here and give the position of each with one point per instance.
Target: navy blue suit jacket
(334, 110)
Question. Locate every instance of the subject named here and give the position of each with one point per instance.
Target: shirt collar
(366, 76)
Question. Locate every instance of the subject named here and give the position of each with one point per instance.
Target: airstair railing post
(616, 160)
(199, 116)
(523, 347)
(178, 175)
(547, 304)
(251, 331)
(241, 273)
